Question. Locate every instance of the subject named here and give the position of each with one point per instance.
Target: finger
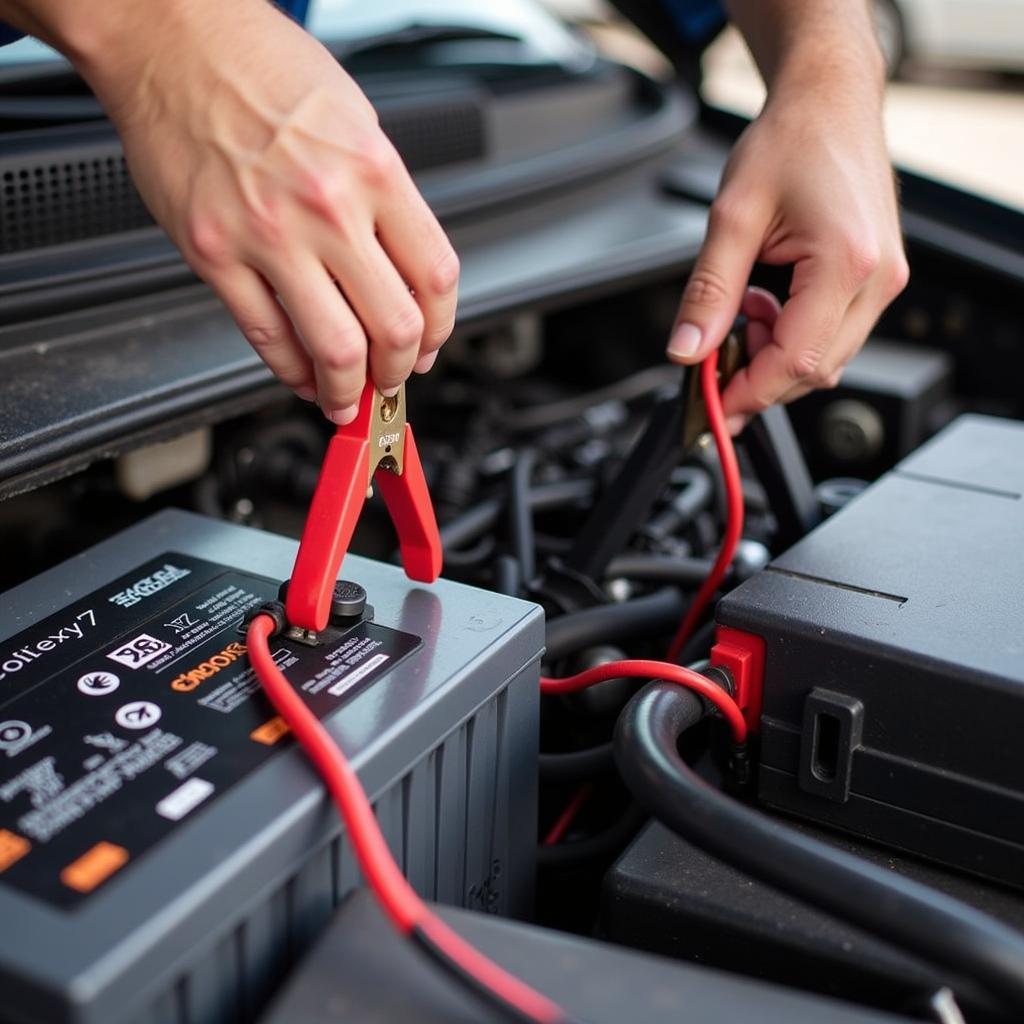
(419, 248)
(761, 309)
(854, 331)
(716, 284)
(330, 332)
(804, 332)
(267, 328)
(380, 298)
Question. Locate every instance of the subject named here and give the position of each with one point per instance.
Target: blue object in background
(696, 20)
(297, 9)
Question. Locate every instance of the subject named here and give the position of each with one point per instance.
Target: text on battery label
(149, 585)
(356, 674)
(191, 794)
(15, 661)
(75, 801)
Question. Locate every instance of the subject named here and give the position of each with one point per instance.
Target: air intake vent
(436, 134)
(66, 201)
(51, 198)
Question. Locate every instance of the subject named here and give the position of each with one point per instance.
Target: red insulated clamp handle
(334, 512)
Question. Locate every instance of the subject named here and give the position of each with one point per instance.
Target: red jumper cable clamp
(376, 447)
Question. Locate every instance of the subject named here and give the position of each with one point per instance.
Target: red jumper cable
(377, 447)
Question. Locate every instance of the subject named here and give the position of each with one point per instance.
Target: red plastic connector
(742, 655)
(376, 447)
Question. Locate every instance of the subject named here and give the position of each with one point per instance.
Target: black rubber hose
(969, 944)
(479, 518)
(506, 576)
(478, 553)
(685, 572)
(609, 623)
(577, 765)
(520, 510)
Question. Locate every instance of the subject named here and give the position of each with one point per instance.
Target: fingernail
(306, 394)
(343, 416)
(735, 424)
(685, 341)
(425, 363)
(390, 392)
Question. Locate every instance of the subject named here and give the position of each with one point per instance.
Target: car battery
(890, 646)
(166, 851)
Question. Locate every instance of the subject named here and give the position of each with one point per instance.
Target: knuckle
(862, 258)
(325, 193)
(207, 239)
(405, 330)
(804, 367)
(376, 159)
(729, 214)
(705, 287)
(831, 380)
(344, 354)
(437, 336)
(897, 276)
(263, 337)
(444, 277)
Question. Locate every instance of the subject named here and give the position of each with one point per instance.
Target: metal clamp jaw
(732, 355)
(376, 447)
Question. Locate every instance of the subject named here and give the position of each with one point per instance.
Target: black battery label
(128, 712)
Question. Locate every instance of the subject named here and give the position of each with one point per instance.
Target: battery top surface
(148, 795)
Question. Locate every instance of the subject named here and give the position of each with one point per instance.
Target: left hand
(809, 184)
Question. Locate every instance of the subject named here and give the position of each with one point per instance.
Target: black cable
(479, 518)
(577, 765)
(521, 513)
(470, 983)
(507, 579)
(685, 572)
(699, 645)
(626, 390)
(969, 944)
(696, 492)
(469, 525)
(479, 552)
(608, 623)
(605, 843)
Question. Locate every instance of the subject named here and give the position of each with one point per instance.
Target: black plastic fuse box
(894, 657)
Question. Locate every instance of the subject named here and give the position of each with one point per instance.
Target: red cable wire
(734, 506)
(646, 669)
(568, 815)
(673, 672)
(408, 913)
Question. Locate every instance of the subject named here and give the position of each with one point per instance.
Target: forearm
(805, 44)
(107, 40)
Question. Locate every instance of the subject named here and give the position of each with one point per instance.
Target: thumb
(715, 289)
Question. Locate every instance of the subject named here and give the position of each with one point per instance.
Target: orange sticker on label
(12, 848)
(94, 866)
(270, 732)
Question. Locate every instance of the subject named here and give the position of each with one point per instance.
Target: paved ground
(965, 128)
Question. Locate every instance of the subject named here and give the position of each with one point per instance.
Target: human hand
(808, 184)
(265, 164)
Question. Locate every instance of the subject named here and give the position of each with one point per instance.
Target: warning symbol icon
(98, 684)
(139, 714)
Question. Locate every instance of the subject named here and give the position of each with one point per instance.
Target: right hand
(265, 164)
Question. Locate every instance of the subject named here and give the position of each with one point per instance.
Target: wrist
(110, 43)
(851, 71)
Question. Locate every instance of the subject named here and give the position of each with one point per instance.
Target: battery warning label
(130, 712)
